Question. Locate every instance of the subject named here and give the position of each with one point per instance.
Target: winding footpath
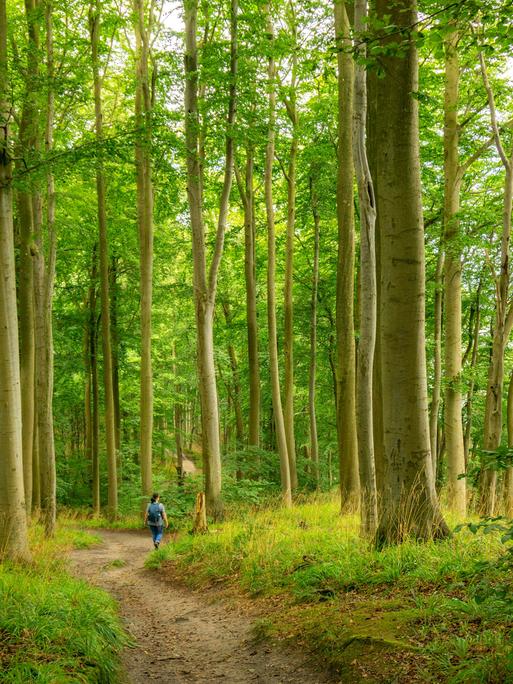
(182, 636)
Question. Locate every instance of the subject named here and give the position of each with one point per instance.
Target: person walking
(155, 517)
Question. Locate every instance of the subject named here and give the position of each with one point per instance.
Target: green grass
(53, 627)
(437, 611)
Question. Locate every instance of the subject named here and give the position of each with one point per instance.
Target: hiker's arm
(165, 519)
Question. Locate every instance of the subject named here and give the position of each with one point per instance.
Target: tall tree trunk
(92, 393)
(28, 145)
(312, 374)
(410, 502)
(473, 365)
(112, 495)
(364, 414)
(143, 106)
(437, 370)
(248, 200)
(503, 318)
(346, 400)
(235, 391)
(178, 420)
(453, 426)
(205, 287)
(114, 336)
(279, 423)
(44, 276)
(13, 520)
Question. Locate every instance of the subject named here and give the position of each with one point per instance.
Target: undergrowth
(436, 611)
(53, 627)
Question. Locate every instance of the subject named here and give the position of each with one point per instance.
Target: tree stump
(200, 515)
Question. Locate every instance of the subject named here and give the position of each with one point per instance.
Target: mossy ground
(418, 612)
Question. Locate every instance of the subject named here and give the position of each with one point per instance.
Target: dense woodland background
(106, 178)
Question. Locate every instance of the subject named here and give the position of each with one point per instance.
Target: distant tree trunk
(346, 401)
(178, 421)
(92, 394)
(143, 107)
(508, 475)
(114, 336)
(367, 204)
(112, 496)
(288, 301)
(235, 386)
(437, 370)
(312, 374)
(410, 505)
(205, 287)
(13, 519)
(473, 364)
(248, 200)
(274, 372)
(453, 426)
(503, 319)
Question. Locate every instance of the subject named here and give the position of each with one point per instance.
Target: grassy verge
(54, 628)
(435, 612)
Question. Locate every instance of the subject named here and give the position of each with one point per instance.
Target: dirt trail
(182, 637)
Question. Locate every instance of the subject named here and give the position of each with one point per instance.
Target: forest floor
(182, 635)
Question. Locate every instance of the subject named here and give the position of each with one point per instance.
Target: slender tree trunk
(205, 287)
(143, 106)
(437, 370)
(312, 375)
(346, 401)
(114, 336)
(274, 372)
(503, 319)
(92, 393)
(112, 496)
(178, 421)
(364, 414)
(410, 505)
(235, 384)
(13, 520)
(508, 475)
(473, 365)
(44, 275)
(453, 426)
(248, 200)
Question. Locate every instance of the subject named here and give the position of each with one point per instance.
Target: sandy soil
(182, 636)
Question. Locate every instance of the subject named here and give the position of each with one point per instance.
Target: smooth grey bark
(112, 494)
(434, 409)
(205, 285)
(279, 424)
(410, 505)
(13, 520)
(346, 353)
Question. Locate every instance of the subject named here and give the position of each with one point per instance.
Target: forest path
(181, 636)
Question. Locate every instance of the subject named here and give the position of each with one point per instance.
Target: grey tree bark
(13, 520)
(410, 504)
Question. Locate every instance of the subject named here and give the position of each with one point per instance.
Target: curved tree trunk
(410, 505)
(274, 372)
(368, 291)
(346, 381)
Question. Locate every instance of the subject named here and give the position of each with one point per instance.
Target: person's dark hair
(154, 497)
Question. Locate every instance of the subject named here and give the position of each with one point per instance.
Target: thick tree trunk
(346, 381)
(13, 520)
(205, 287)
(368, 293)
(274, 372)
(453, 425)
(508, 475)
(143, 106)
(410, 505)
(112, 496)
(312, 374)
